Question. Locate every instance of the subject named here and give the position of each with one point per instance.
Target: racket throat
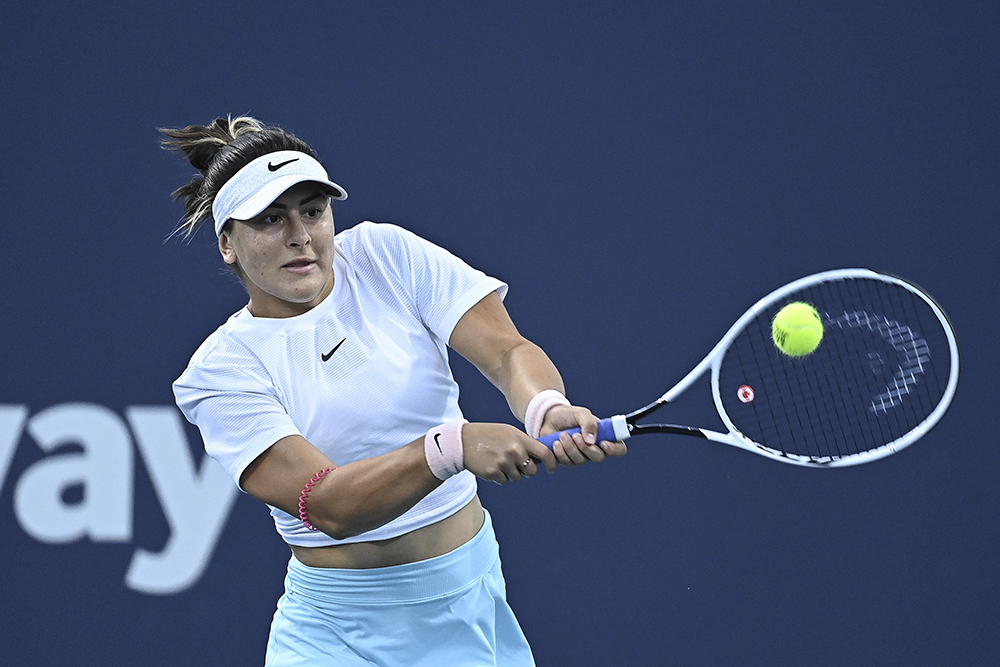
(672, 429)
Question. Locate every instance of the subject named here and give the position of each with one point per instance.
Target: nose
(298, 234)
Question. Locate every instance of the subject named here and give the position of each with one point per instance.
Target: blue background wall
(639, 172)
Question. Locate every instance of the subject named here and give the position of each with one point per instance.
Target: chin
(306, 294)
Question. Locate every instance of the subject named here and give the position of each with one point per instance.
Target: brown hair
(218, 151)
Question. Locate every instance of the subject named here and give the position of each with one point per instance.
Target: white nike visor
(255, 186)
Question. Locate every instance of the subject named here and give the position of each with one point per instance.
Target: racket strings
(880, 370)
(852, 393)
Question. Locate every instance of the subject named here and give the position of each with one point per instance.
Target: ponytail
(218, 151)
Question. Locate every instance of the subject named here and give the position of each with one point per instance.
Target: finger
(512, 470)
(560, 454)
(541, 454)
(498, 478)
(614, 447)
(571, 445)
(592, 452)
(528, 467)
(588, 427)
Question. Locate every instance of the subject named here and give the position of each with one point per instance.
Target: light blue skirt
(449, 611)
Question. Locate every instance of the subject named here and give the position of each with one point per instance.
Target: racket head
(883, 375)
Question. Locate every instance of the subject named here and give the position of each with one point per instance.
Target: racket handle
(612, 428)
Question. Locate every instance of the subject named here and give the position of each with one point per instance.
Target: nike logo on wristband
(437, 441)
(326, 357)
(276, 167)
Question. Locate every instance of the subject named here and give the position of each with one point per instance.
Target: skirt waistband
(431, 578)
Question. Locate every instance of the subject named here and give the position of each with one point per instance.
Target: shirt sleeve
(226, 393)
(442, 286)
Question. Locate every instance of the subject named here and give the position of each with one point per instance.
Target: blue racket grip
(612, 428)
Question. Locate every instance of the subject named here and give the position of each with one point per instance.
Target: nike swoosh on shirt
(326, 357)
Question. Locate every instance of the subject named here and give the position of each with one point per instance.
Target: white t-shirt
(361, 374)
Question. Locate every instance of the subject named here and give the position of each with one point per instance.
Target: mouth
(300, 265)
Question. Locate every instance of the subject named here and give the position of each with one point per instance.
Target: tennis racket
(882, 376)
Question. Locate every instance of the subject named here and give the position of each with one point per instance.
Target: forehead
(300, 194)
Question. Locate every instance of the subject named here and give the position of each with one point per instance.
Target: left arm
(487, 337)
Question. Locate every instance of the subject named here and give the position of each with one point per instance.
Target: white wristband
(443, 449)
(534, 416)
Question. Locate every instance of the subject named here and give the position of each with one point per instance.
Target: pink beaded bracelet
(303, 512)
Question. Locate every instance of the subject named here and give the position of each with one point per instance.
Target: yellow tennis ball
(797, 329)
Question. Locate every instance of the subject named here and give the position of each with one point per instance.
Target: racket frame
(628, 425)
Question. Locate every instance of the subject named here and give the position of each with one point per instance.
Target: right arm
(363, 495)
(353, 498)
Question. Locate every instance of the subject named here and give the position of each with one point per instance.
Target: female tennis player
(329, 397)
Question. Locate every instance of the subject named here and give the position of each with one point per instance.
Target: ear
(226, 248)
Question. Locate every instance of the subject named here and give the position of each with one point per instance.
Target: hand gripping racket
(882, 376)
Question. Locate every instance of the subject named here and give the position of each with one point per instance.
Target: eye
(315, 210)
(272, 219)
